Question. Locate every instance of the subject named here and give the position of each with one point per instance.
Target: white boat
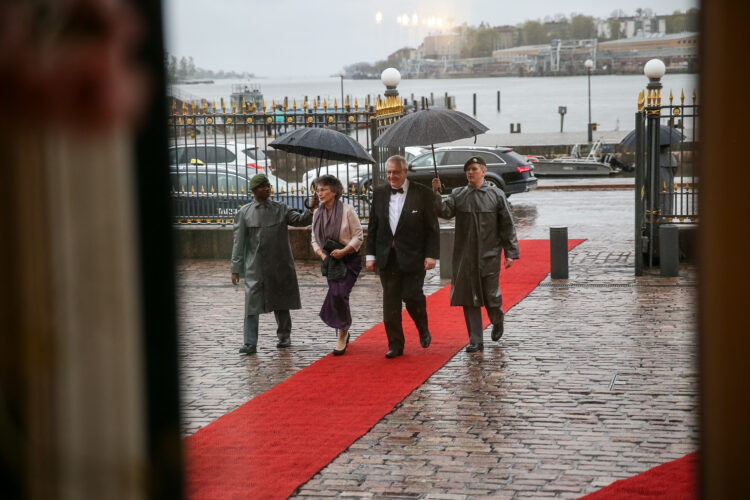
(575, 164)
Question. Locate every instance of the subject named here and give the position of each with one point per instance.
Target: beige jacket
(351, 229)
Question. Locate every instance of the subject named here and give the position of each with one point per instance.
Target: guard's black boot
(475, 347)
(497, 331)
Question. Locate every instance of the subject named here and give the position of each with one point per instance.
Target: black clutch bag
(332, 245)
(333, 269)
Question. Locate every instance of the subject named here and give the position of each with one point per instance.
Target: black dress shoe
(337, 352)
(393, 353)
(475, 347)
(425, 339)
(497, 331)
(284, 343)
(248, 349)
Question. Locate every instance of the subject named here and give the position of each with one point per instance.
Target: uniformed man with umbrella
(263, 257)
(484, 229)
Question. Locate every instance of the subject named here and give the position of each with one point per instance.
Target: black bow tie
(399, 190)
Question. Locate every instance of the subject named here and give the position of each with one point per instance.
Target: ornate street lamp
(654, 70)
(390, 78)
(589, 64)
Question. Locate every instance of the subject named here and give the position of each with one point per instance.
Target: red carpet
(670, 481)
(280, 439)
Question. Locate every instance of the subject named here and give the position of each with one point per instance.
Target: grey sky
(320, 37)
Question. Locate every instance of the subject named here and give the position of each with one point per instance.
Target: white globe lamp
(390, 78)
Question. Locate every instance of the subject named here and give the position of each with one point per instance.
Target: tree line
(185, 69)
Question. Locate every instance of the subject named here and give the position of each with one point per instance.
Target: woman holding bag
(336, 238)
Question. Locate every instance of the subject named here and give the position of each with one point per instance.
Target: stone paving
(594, 380)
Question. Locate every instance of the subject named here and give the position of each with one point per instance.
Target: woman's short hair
(332, 183)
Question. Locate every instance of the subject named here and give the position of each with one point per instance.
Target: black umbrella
(430, 126)
(667, 136)
(323, 143)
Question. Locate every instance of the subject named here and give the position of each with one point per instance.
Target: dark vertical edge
(639, 209)
(558, 241)
(157, 266)
(14, 386)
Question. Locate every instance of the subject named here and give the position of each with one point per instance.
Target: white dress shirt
(395, 208)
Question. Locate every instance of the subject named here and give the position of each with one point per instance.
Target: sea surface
(531, 101)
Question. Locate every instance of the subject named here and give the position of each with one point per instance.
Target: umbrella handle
(434, 162)
(306, 204)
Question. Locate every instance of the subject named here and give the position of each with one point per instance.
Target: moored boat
(575, 164)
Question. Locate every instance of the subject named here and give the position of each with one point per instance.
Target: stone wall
(215, 242)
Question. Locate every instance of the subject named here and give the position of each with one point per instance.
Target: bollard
(669, 250)
(447, 237)
(475, 104)
(498, 101)
(558, 253)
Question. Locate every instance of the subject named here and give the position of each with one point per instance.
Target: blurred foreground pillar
(724, 322)
(88, 371)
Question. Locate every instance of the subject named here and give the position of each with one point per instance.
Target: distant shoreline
(454, 76)
(191, 82)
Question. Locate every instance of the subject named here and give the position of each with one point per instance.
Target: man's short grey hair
(398, 159)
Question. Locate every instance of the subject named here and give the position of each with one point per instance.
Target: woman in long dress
(337, 235)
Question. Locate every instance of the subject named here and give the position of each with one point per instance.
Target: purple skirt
(335, 311)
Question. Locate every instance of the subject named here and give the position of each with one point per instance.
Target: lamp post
(654, 71)
(390, 77)
(589, 64)
(341, 75)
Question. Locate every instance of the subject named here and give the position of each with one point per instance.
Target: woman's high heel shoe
(337, 352)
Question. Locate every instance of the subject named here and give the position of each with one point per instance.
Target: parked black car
(506, 169)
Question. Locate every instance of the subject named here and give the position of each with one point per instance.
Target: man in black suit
(403, 242)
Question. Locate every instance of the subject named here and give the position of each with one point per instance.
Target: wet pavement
(593, 381)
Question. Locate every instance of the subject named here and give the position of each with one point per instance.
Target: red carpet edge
(670, 481)
(278, 440)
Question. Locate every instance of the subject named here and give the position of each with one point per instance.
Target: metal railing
(215, 151)
(666, 181)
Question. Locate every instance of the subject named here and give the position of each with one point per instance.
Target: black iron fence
(215, 151)
(666, 181)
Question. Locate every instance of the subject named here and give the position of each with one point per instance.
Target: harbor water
(531, 101)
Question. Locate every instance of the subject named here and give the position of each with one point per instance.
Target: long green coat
(484, 228)
(262, 255)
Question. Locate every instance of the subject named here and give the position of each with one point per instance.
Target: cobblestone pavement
(594, 380)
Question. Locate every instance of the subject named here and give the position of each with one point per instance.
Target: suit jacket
(417, 233)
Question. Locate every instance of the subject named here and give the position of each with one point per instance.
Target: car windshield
(200, 154)
(514, 158)
(426, 159)
(254, 153)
